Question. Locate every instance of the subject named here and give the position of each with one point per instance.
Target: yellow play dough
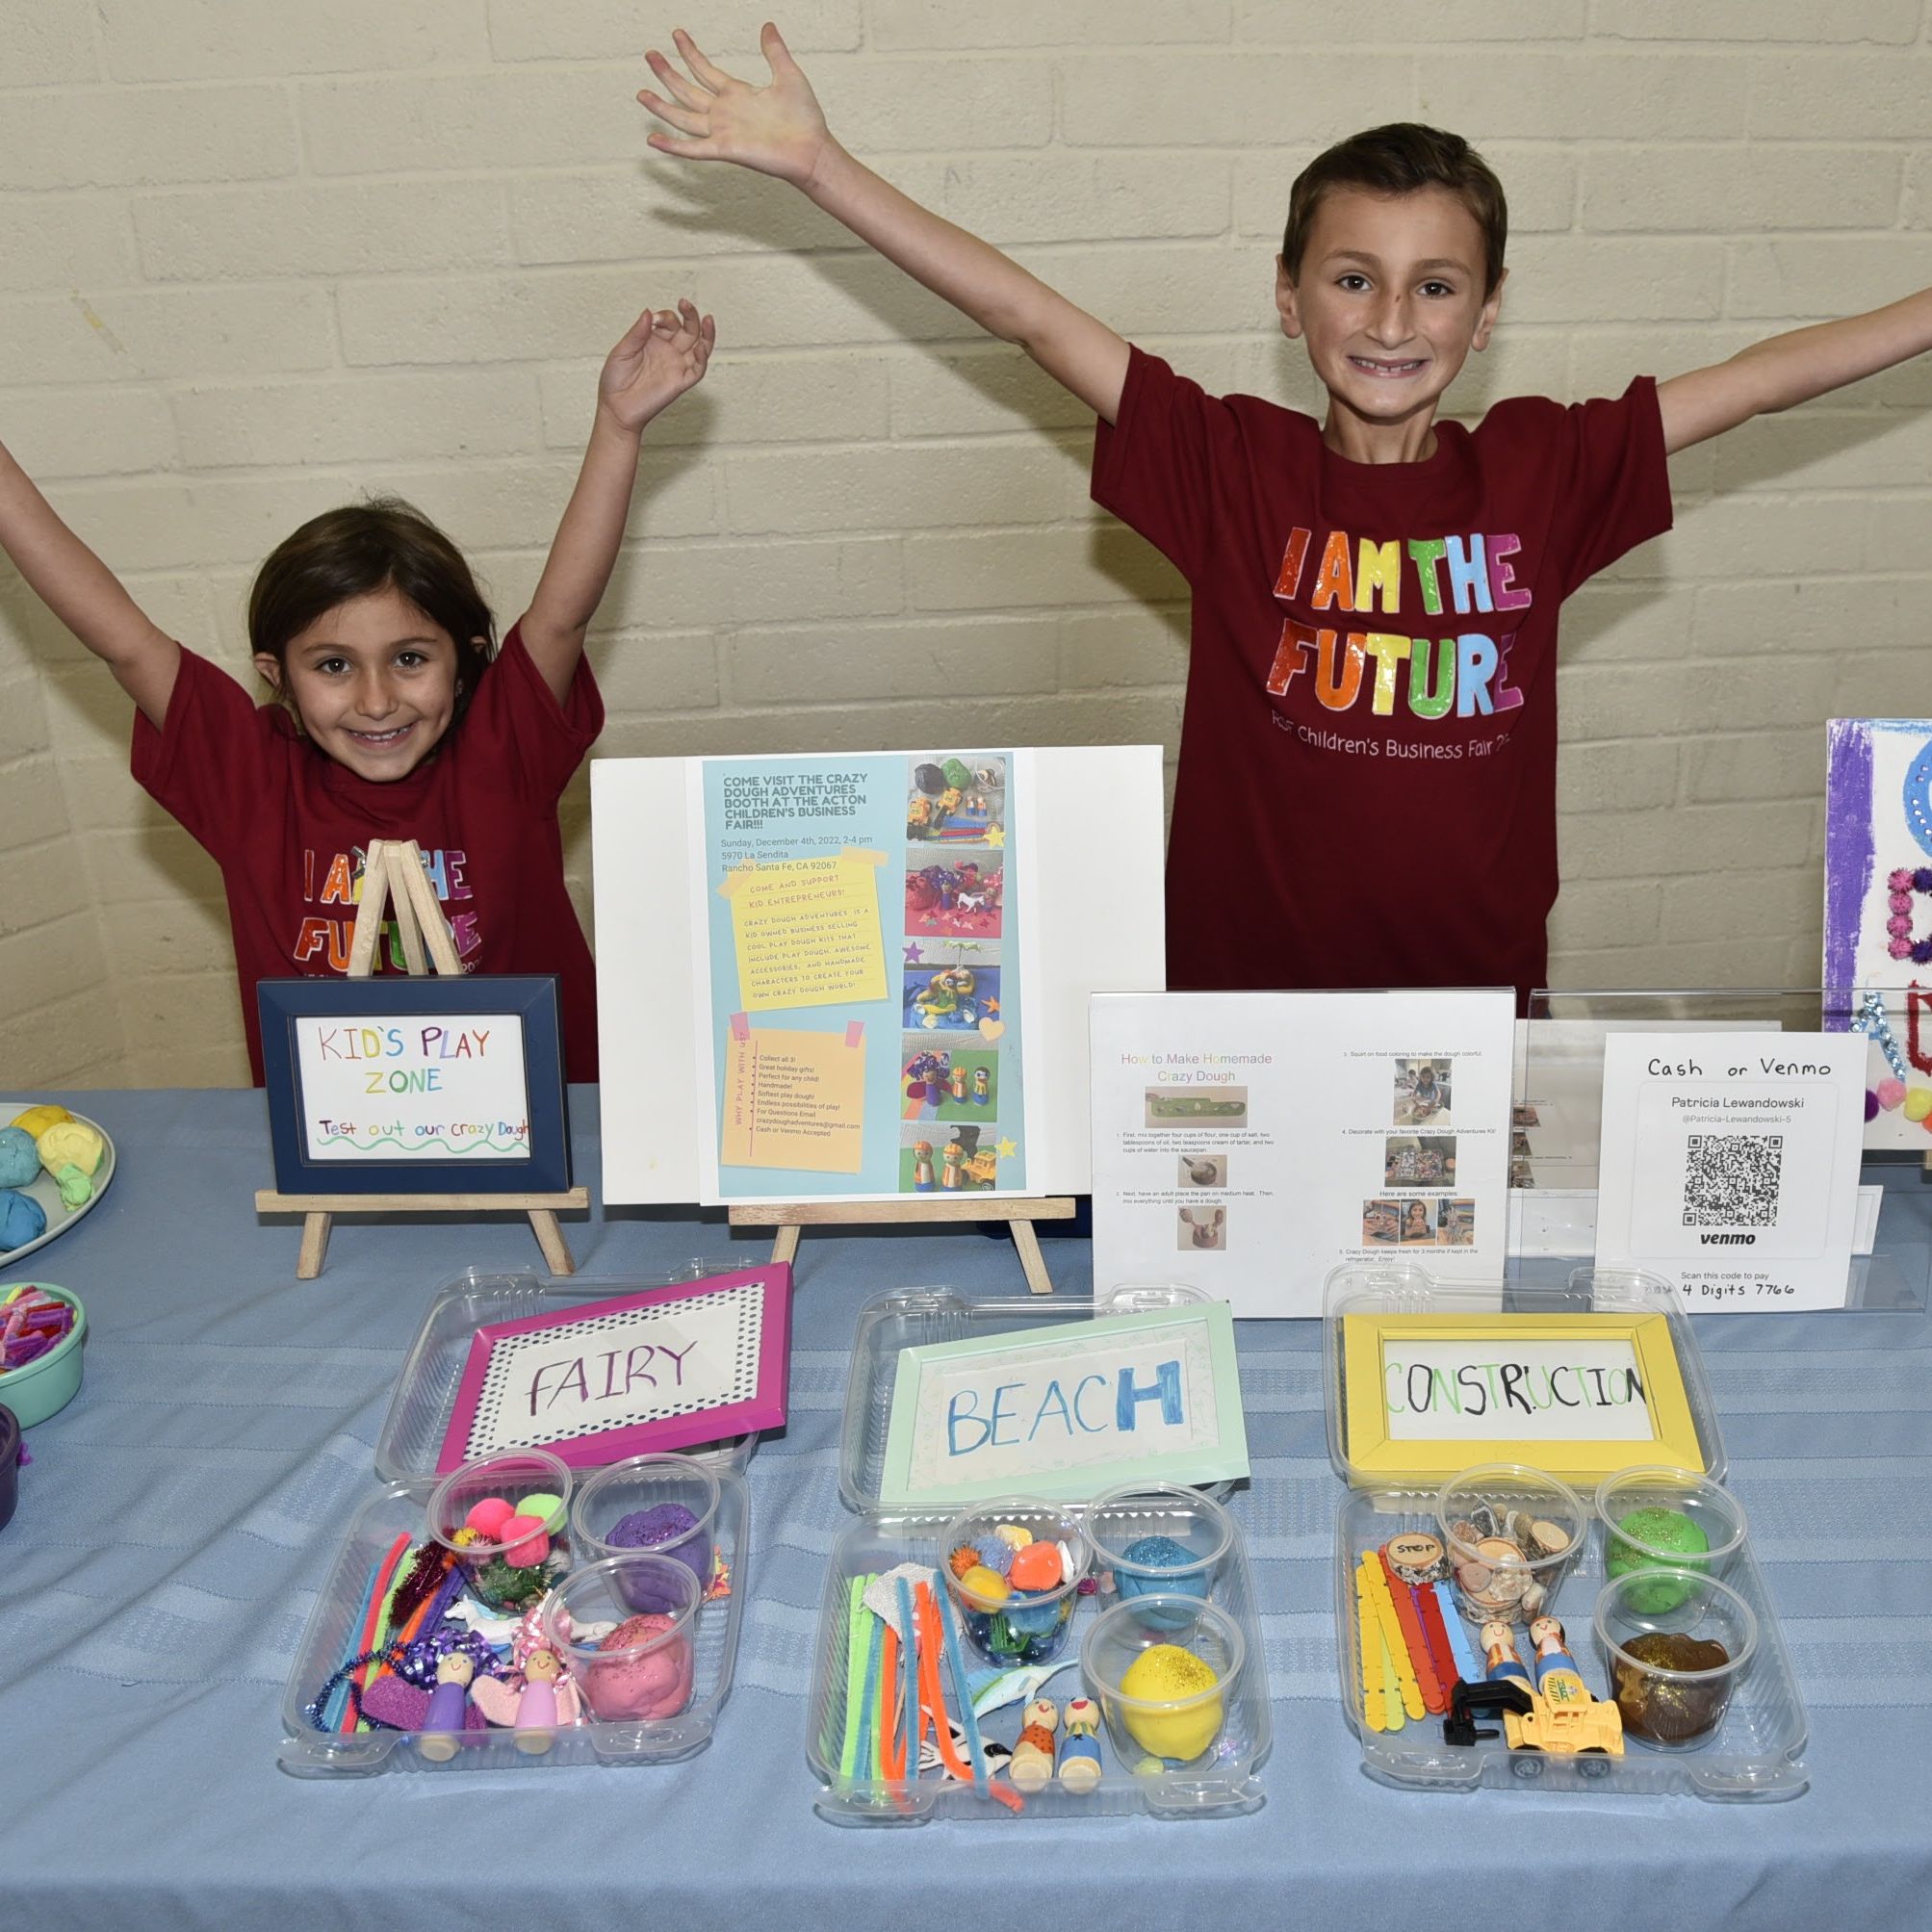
(35, 1120)
(70, 1142)
(1165, 1673)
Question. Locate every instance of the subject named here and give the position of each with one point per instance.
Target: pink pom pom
(1901, 949)
(1899, 881)
(489, 1517)
(1889, 1094)
(1899, 925)
(1900, 902)
(528, 1544)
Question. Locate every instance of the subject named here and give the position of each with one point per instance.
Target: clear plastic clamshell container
(1752, 1756)
(426, 1391)
(330, 1639)
(1753, 1752)
(1226, 1784)
(406, 1453)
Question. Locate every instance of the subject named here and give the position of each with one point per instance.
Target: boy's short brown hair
(379, 545)
(1402, 157)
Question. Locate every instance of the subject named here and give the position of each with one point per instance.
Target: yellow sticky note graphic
(806, 931)
(793, 1099)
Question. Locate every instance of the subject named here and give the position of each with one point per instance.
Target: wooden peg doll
(1031, 1766)
(1080, 1746)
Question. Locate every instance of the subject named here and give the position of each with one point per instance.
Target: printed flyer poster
(1730, 1164)
(1246, 1144)
(859, 972)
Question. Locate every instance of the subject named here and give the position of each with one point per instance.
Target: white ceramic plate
(60, 1216)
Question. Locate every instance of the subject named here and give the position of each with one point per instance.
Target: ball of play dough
(71, 1144)
(22, 1219)
(19, 1157)
(671, 1530)
(1165, 1673)
(1674, 1538)
(35, 1120)
(1162, 1567)
(657, 1683)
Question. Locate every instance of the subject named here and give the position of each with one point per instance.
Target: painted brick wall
(257, 258)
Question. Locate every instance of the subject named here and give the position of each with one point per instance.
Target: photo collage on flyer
(1416, 1203)
(958, 1082)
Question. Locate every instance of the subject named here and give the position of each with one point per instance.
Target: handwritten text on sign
(1066, 1408)
(437, 1088)
(1566, 1391)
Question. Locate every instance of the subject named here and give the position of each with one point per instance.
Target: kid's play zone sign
(458, 1081)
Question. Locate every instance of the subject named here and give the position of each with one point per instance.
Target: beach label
(429, 1086)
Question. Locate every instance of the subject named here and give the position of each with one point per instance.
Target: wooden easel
(792, 1218)
(393, 875)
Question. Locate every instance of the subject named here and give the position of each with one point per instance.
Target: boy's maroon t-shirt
(288, 827)
(1368, 762)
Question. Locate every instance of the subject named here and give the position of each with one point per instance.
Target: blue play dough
(19, 1158)
(22, 1219)
(1171, 1569)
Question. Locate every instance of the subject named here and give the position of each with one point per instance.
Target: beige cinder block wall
(257, 258)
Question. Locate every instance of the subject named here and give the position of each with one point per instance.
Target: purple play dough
(670, 1530)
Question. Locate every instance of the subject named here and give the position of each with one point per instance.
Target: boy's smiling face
(1389, 301)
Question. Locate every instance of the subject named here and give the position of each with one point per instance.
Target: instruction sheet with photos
(1730, 1164)
(859, 939)
(1249, 1142)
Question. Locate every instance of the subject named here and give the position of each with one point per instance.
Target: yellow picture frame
(1377, 1455)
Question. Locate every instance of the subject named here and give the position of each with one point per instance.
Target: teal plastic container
(46, 1386)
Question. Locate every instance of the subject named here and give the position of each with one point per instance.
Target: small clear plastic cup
(509, 1564)
(1006, 1617)
(1510, 1533)
(1672, 1671)
(640, 1670)
(668, 1504)
(1657, 1517)
(1164, 1670)
(1159, 1538)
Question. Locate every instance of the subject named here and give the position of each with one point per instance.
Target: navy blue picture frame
(532, 998)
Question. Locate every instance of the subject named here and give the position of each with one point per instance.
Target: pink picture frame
(658, 1369)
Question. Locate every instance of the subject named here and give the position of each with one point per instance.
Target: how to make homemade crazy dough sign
(436, 1087)
(1067, 1409)
(656, 1370)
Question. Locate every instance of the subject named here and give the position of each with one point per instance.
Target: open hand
(662, 354)
(777, 129)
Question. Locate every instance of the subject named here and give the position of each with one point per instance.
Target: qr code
(1731, 1180)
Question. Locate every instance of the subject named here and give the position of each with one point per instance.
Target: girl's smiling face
(373, 682)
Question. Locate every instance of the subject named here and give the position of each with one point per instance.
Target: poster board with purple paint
(657, 1370)
(1878, 913)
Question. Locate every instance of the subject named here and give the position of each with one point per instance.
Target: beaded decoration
(1901, 884)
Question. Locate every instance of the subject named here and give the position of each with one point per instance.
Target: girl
(397, 717)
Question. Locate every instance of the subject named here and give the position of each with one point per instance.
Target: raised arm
(663, 355)
(778, 129)
(1791, 369)
(85, 594)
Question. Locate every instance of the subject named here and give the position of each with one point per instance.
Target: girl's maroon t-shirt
(289, 828)
(1367, 786)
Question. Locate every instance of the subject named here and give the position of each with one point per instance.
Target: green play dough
(1670, 1538)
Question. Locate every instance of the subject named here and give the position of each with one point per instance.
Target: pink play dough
(656, 1684)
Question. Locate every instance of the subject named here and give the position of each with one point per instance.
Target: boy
(1367, 784)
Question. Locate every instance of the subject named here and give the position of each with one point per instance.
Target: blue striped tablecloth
(181, 1515)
